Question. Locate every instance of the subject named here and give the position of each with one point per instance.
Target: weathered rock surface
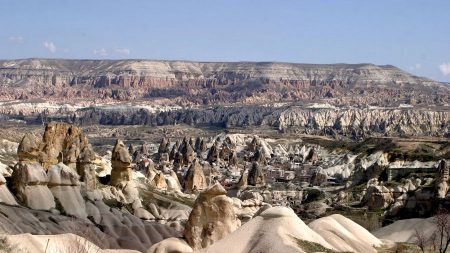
(377, 197)
(212, 218)
(61, 142)
(121, 164)
(30, 186)
(5, 195)
(116, 229)
(65, 187)
(195, 180)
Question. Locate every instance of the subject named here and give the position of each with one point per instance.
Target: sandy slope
(278, 229)
(55, 243)
(403, 230)
(344, 234)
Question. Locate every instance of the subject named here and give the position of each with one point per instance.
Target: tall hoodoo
(121, 164)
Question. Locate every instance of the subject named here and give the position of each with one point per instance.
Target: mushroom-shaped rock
(195, 178)
(212, 218)
(121, 164)
(256, 176)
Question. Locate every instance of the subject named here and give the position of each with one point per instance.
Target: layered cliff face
(189, 83)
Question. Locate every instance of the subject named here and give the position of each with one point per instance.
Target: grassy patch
(402, 247)
(308, 247)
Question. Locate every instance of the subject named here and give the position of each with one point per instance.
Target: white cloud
(416, 66)
(101, 52)
(50, 47)
(16, 39)
(124, 51)
(445, 68)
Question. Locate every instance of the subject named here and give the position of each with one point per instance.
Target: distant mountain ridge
(198, 83)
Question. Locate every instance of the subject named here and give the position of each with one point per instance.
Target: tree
(439, 241)
(420, 239)
(442, 222)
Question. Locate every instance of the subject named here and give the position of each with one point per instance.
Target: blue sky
(411, 34)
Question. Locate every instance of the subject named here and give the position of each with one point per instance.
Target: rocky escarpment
(183, 82)
(353, 122)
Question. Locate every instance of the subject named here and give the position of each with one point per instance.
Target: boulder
(30, 186)
(212, 218)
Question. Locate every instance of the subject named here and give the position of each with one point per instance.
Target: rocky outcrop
(256, 176)
(115, 229)
(29, 148)
(5, 195)
(195, 180)
(159, 181)
(86, 168)
(442, 180)
(121, 164)
(65, 187)
(30, 186)
(212, 218)
(61, 142)
(377, 197)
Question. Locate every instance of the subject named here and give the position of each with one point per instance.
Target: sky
(413, 35)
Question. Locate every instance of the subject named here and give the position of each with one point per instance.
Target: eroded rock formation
(212, 218)
(121, 164)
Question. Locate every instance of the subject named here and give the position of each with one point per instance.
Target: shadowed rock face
(212, 82)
